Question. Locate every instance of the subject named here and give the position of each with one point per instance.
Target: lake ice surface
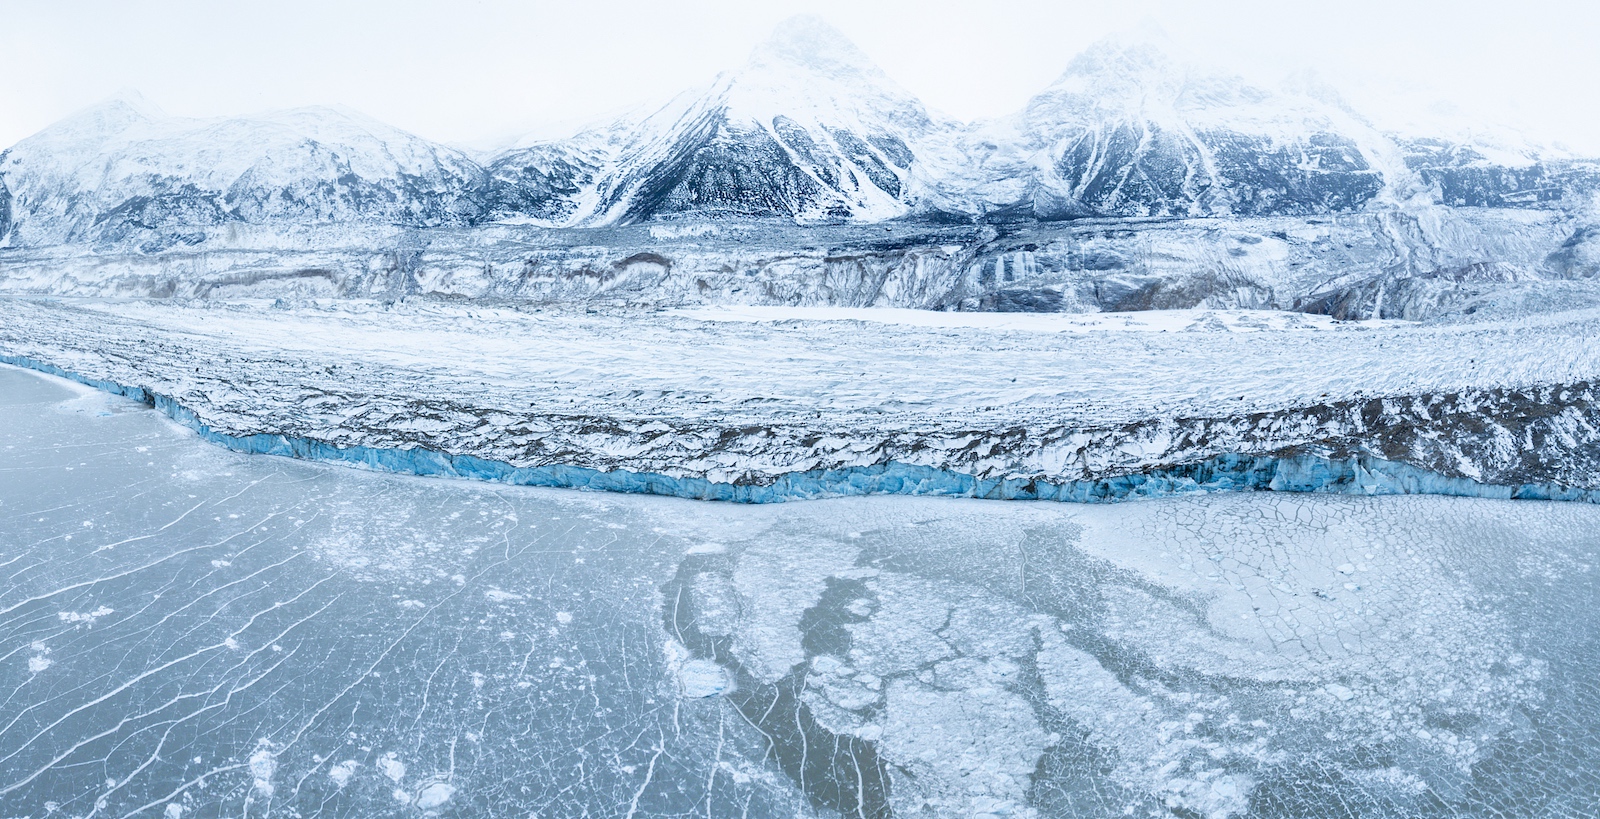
(186, 631)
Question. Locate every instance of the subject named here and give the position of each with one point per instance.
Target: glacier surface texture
(721, 407)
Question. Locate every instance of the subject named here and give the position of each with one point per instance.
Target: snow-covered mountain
(1132, 128)
(809, 128)
(1463, 160)
(555, 181)
(124, 170)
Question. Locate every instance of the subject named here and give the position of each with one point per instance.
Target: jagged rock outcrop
(1462, 174)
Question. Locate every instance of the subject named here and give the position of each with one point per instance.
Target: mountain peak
(806, 40)
(131, 100)
(1144, 72)
(1144, 56)
(120, 110)
(101, 121)
(808, 71)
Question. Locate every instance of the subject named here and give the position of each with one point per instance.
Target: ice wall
(1353, 474)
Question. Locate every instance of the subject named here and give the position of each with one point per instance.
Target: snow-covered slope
(809, 129)
(554, 181)
(1133, 128)
(1467, 162)
(123, 170)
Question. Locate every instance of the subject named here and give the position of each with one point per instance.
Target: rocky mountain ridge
(808, 130)
(1140, 179)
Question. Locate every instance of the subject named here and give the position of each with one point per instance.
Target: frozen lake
(186, 631)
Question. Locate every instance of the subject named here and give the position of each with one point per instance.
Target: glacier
(1432, 263)
(1355, 475)
(1499, 410)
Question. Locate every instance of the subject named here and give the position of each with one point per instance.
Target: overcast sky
(473, 71)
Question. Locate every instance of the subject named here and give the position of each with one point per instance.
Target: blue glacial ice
(1359, 474)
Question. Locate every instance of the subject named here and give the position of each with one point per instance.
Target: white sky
(476, 71)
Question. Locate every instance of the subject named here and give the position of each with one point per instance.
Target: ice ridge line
(1359, 474)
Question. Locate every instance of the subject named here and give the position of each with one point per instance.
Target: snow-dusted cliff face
(124, 173)
(809, 129)
(555, 182)
(1466, 173)
(5, 209)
